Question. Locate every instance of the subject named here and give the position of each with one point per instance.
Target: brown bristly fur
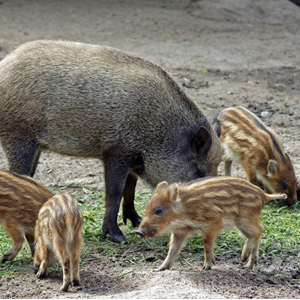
(248, 140)
(58, 235)
(20, 201)
(206, 205)
(95, 101)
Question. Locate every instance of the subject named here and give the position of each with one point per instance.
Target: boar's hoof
(115, 237)
(110, 227)
(118, 238)
(133, 217)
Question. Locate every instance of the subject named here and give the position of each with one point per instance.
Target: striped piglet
(58, 235)
(247, 140)
(206, 205)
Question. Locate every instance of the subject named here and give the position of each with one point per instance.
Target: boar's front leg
(22, 155)
(176, 242)
(129, 211)
(116, 171)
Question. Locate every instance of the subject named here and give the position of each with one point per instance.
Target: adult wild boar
(94, 101)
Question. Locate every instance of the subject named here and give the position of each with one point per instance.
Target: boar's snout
(140, 232)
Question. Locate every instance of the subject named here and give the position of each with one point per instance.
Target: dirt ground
(223, 53)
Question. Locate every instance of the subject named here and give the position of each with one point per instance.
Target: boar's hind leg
(176, 242)
(129, 211)
(115, 172)
(22, 155)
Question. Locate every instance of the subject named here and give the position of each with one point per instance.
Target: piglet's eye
(158, 211)
(283, 185)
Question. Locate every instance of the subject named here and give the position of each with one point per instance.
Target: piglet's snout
(140, 232)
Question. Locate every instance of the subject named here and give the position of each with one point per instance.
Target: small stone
(265, 114)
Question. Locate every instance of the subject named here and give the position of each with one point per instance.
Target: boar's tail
(277, 196)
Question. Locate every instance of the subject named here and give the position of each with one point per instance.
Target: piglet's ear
(174, 192)
(174, 196)
(162, 185)
(272, 168)
(201, 142)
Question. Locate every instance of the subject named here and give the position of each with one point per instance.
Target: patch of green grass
(281, 236)
(22, 259)
(92, 205)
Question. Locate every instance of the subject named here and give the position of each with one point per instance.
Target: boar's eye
(158, 211)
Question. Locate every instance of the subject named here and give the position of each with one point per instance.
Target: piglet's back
(21, 198)
(222, 191)
(61, 212)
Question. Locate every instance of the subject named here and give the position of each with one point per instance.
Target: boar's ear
(201, 142)
(162, 185)
(272, 168)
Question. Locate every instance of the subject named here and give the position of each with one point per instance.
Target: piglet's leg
(66, 273)
(44, 255)
(18, 239)
(251, 175)
(74, 258)
(30, 240)
(250, 249)
(43, 270)
(209, 236)
(59, 243)
(227, 166)
(176, 242)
